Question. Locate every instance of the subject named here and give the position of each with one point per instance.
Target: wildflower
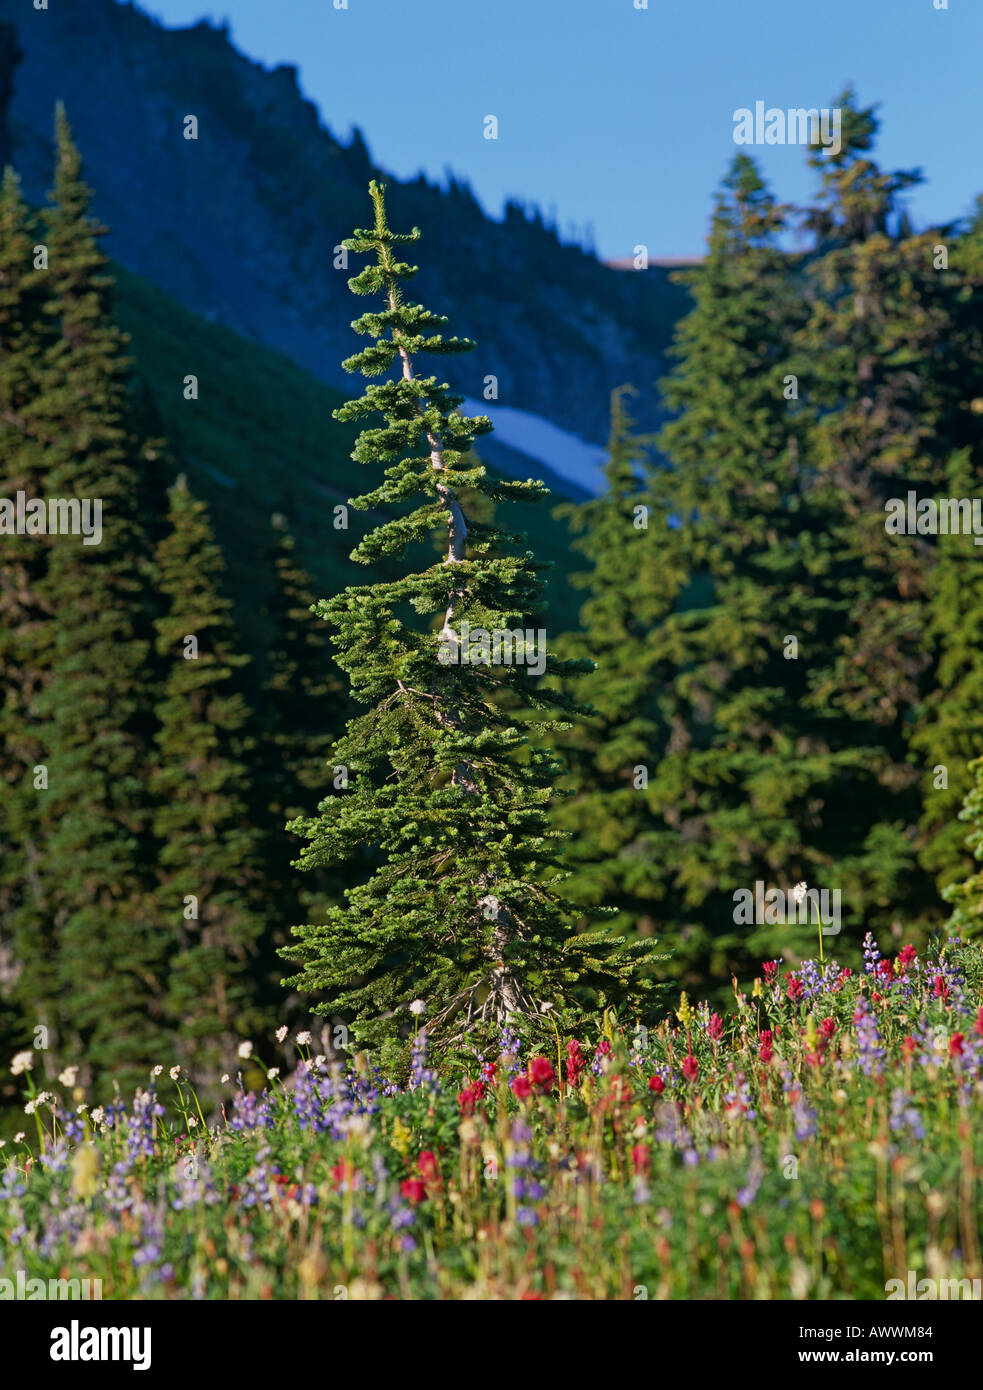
(770, 967)
(869, 1050)
(956, 1044)
(684, 1013)
(303, 1038)
(468, 1099)
(520, 1087)
(174, 1073)
(418, 1007)
(691, 1068)
(978, 1025)
(281, 1032)
(192, 1122)
(245, 1050)
(828, 1027)
(657, 1085)
(157, 1070)
(19, 1137)
(225, 1078)
(798, 892)
(576, 1062)
(641, 1158)
(908, 1046)
(541, 1074)
(940, 988)
(793, 988)
(273, 1073)
(765, 1051)
(22, 1061)
(715, 1028)
(906, 956)
(67, 1077)
(428, 1168)
(413, 1189)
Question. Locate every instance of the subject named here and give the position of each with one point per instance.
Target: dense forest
(768, 684)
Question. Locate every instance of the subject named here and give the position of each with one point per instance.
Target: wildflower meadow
(817, 1141)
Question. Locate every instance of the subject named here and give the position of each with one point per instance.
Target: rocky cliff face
(241, 223)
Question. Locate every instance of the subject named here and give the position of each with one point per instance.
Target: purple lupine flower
(869, 1050)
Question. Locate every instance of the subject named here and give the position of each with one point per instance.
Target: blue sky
(619, 117)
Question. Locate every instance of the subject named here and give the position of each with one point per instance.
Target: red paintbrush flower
(541, 1074)
(520, 1088)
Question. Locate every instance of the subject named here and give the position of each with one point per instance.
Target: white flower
(157, 1070)
(174, 1073)
(67, 1077)
(81, 1109)
(99, 1115)
(23, 1061)
(273, 1073)
(225, 1078)
(319, 1061)
(303, 1039)
(245, 1050)
(192, 1121)
(417, 1007)
(19, 1137)
(281, 1033)
(798, 892)
(30, 1107)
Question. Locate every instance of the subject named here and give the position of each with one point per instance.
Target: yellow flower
(684, 1013)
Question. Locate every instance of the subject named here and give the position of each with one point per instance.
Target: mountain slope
(241, 224)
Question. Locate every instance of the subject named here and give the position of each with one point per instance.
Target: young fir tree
(883, 393)
(25, 936)
(209, 853)
(465, 910)
(95, 710)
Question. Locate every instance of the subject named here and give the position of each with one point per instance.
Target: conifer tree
(303, 712)
(966, 896)
(25, 937)
(949, 731)
(465, 910)
(95, 710)
(883, 394)
(631, 585)
(736, 778)
(208, 850)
